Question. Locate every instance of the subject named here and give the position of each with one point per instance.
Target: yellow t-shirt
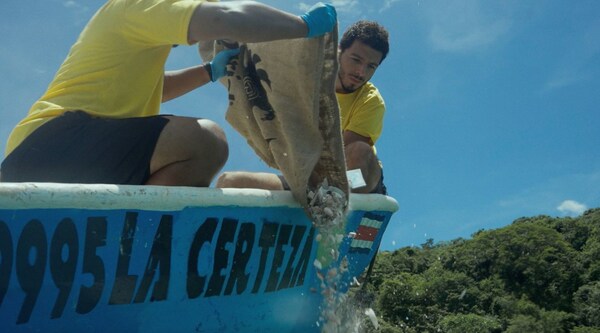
(362, 111)
(115, 69)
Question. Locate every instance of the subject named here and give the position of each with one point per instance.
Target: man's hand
(216, 68)
(320, 19)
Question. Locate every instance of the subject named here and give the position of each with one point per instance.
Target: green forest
(538, 274)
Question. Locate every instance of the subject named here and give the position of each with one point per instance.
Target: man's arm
(177, 83)
(243, 21)
(180, 82)
(352, 137)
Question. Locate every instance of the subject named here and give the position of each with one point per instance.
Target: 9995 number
(34, 253)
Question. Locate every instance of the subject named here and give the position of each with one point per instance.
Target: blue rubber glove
(218, 65)
(320, 19)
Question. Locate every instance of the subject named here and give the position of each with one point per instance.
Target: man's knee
(226, 180)
(239, 179)
(216, 142)
(195, 147)
(243, 179)
(192, 138)
(209, 147)
(358, 154)
(208, 136)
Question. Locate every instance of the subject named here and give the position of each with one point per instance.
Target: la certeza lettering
(245, 258)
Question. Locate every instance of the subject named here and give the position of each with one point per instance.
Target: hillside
(539, 274)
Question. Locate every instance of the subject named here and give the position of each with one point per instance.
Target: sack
(282, 100)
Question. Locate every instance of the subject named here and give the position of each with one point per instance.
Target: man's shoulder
(366, 94)
(370, 91)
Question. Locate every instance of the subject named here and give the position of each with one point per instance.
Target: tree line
(538, 274)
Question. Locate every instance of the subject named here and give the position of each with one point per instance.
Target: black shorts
(78, 148)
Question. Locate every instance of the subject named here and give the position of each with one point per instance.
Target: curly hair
(368, 32)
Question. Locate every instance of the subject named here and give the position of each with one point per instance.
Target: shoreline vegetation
(538, 274)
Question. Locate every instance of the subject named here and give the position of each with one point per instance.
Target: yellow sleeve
(366, 116)
(159, 22)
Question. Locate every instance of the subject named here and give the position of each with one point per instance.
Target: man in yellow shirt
(363, 46)
(99, 120)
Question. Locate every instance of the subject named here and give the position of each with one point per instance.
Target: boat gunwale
(159, 198)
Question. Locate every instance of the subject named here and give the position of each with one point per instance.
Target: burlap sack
(282, 100)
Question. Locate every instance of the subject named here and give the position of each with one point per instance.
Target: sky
(493, 107)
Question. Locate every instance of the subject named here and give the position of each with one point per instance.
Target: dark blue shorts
(380, 188)
(78, 148)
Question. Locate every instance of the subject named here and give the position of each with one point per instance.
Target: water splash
(339, 313)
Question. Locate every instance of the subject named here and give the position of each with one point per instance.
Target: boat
(123, 258)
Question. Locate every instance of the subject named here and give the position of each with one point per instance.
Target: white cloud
(304, 6)
(467, 39)
(572, 208)
(341, 6)
(387, 4)
(542, 198)
(71, 4)
(577, 61)
(466, 25)
(565, 78)
(345, 5)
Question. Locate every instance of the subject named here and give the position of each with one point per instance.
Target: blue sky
(493, 107)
